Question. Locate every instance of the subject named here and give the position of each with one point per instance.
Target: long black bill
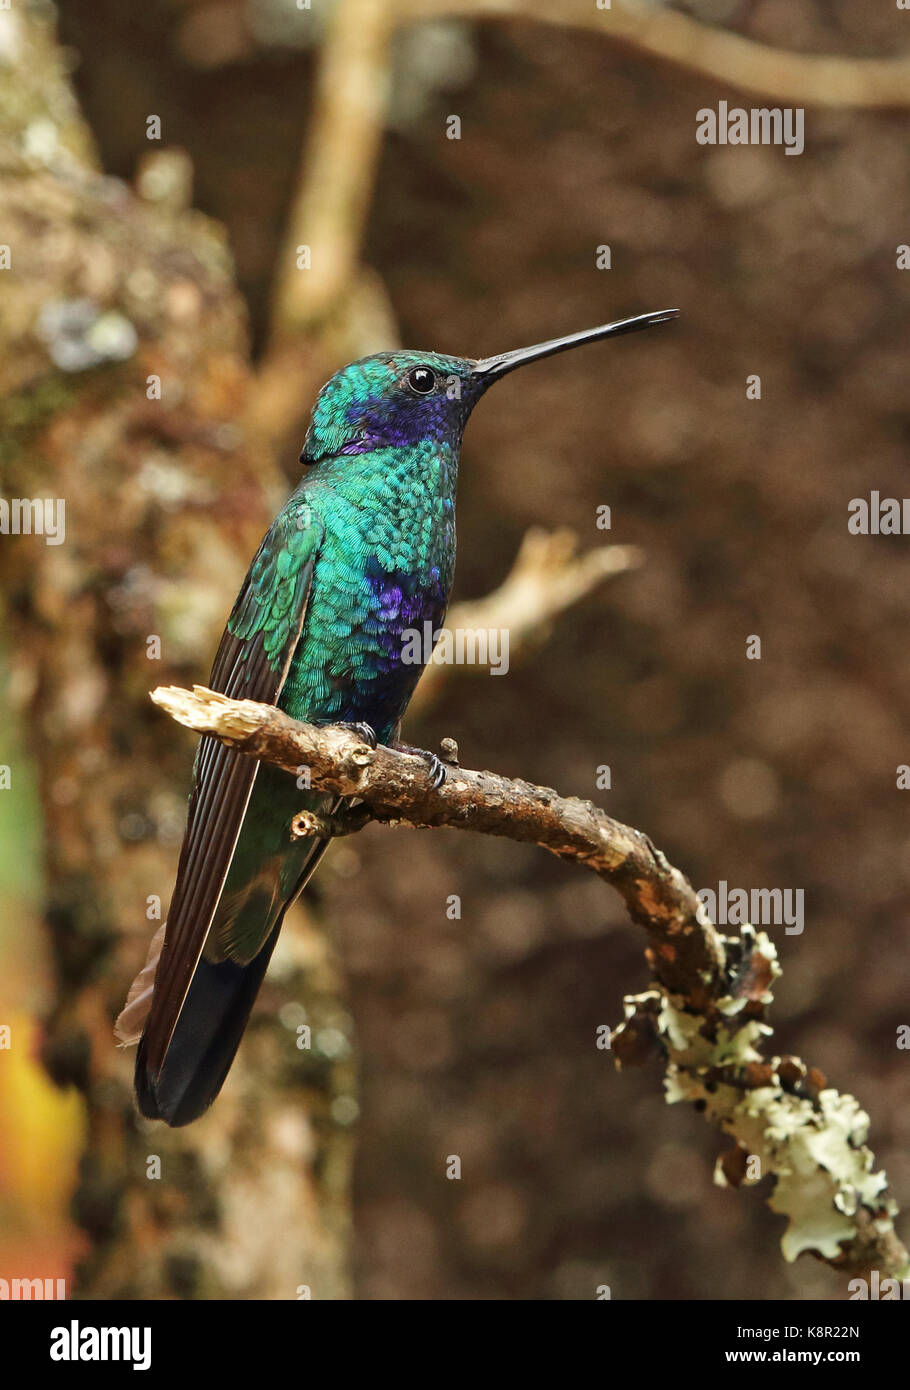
(490, 369)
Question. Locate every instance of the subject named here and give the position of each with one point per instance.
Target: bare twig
(548, 577)
(396, 786)
(802, 78)
(334, 309)
(330, 208)
(704, 1014)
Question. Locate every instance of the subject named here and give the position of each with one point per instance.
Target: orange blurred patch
(41, 1136)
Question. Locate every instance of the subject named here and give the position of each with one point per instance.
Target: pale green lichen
(818, 1155)
(815, 1150)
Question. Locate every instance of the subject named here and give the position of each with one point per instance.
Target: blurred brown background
(476, 1037)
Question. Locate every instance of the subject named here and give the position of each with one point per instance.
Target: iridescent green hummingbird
(361, 554)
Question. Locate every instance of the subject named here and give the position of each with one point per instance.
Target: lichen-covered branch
(787, 1123)
(705, 1013)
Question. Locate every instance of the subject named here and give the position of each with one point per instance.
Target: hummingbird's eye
(421, 380)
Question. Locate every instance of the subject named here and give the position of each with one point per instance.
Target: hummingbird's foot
(366, 732)
(438, 770)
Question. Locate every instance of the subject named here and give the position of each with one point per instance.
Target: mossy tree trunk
(110, 296)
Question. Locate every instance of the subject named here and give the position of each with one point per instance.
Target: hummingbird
(362, 553)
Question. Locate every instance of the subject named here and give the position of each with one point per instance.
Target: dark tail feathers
(204, 1043)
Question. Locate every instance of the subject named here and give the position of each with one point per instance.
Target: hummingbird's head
(401, 399)
(394, 399)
